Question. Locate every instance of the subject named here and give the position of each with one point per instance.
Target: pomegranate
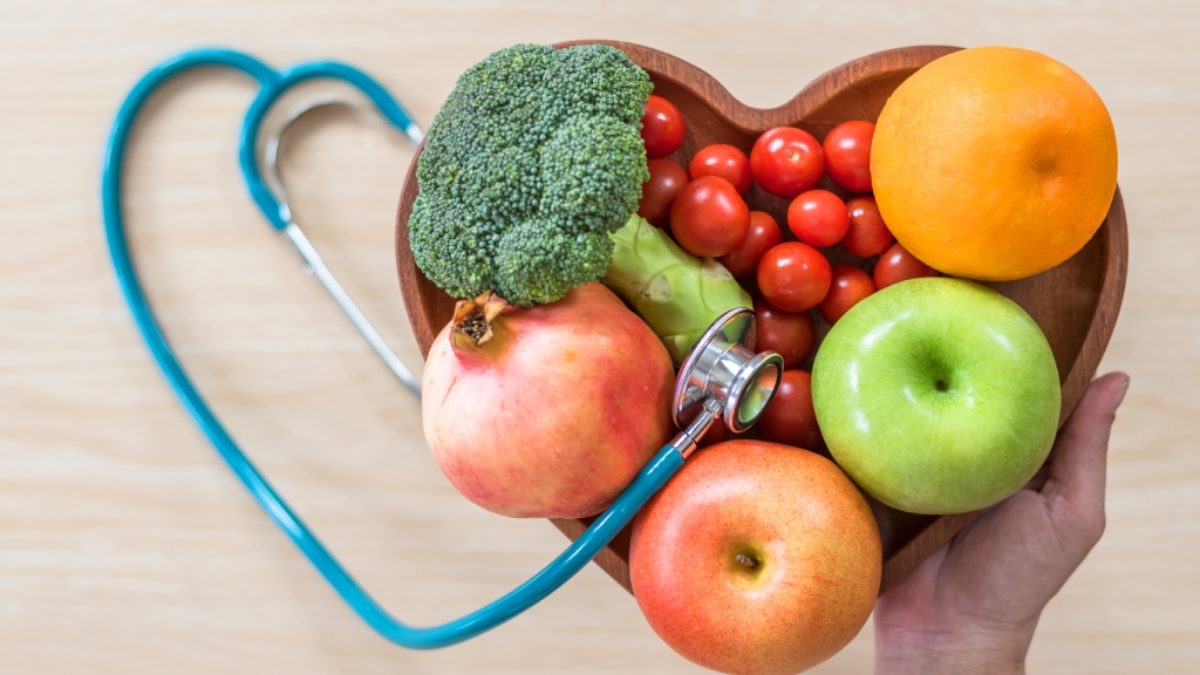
(548, 411)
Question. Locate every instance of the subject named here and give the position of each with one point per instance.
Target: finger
(1047, 471)
(1077, 466)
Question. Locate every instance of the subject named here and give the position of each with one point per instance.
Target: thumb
(1076, 476)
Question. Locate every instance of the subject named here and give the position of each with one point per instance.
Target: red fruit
(717, 433)
(850, 285)
(662, 127)
(789, 417)
(756, 558)
(786, 161)
(818, 217)
(848, 155)
(666, 181)
(709, 218)
(763, 233)
(868, 235)
(790, 334)
(724, 161)
(551, 418)
(793, 276)
(897, 264)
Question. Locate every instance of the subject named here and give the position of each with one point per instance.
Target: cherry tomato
(867, 235)
(818, 217)
(785, 332)
(787, 161)
(666, 180)
(716, 433)
(709, 218)
(848, 155)
(789, 417)
(793, 276)
(662, 127)
(725, 161)
(850, 285)
(897, 264)
(763, 233)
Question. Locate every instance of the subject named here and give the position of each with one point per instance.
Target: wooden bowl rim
(734, 109)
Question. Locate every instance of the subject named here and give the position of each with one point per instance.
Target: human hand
(973, 606)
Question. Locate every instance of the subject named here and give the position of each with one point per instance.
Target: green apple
(937, 395)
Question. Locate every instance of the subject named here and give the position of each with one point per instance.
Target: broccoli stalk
(676, 293)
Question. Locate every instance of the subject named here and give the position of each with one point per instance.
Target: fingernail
(1122, 389)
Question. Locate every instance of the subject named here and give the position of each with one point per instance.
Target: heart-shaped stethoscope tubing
(722, 379)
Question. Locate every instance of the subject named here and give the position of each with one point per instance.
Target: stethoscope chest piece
(724, 368)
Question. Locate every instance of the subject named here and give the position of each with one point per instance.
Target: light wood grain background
(126, 547)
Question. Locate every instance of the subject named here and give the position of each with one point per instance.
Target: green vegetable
(676, 293)
(535, 158)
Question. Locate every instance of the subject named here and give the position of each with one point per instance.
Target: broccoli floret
(454, 252)
(596, 80)
(543, 260)
(533, 160)
(587, 195)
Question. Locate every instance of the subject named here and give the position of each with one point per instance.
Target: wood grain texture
(126, 548)
(1076, 303)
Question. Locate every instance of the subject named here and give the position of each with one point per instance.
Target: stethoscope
(723, 378)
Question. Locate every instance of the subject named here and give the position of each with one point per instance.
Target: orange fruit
(994, 163)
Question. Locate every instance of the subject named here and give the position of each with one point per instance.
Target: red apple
(757, 557)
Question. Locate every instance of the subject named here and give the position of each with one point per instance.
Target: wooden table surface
(127, 547)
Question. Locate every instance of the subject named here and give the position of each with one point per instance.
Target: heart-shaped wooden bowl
(1075, 304)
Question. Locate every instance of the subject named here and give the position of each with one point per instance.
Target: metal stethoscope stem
(722, 378)
(312, 260)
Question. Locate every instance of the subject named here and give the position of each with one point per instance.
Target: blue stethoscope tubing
(653, 476)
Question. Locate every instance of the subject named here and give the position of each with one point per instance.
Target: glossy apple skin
(903, 438)
(811, 531)
(554, 416)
